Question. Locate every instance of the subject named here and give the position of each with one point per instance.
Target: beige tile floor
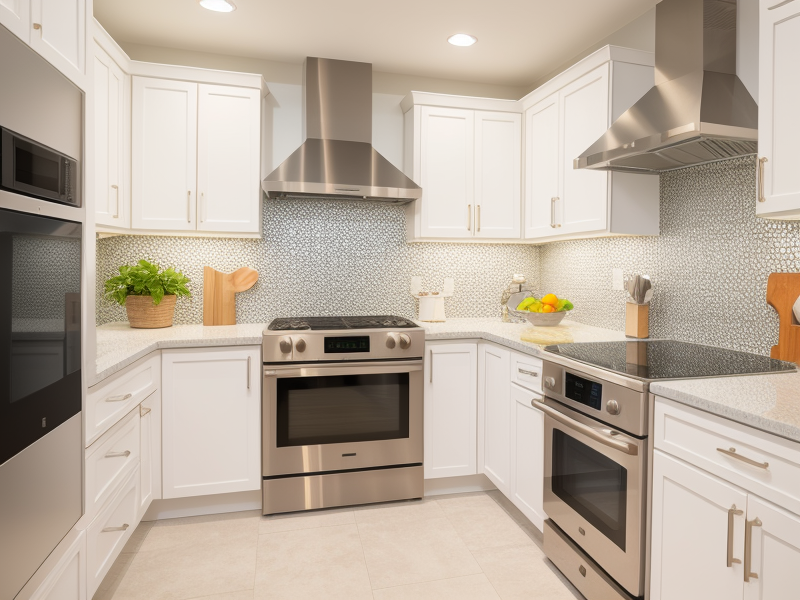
(460, 547)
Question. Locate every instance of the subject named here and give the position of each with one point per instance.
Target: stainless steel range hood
(699, 111)
(337, 158)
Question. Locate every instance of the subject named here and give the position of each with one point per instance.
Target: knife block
(637, 320)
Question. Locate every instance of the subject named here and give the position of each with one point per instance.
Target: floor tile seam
(467, 547)
(364, 556)
(306, 529)
(390, 587)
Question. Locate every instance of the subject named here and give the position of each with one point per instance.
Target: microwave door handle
(590, 432)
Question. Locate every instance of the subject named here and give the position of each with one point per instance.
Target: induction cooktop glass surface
(339, 323)
(669, 359)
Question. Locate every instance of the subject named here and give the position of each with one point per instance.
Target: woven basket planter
(143, 314)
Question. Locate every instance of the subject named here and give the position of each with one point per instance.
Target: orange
(550, 299)
(548, 308)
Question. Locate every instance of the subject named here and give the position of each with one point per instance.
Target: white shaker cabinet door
(691, 528)
(15, 15)
(150, 450)
(450, 410)
(541, 168)
(498, 141)
(775, 551)
(779, 110)
(211, 426)
(59, 35)
(583, 202)
(228, 159)
(164, 154)
(527, 455)
(447, 172)
(65, 570)
(494, 365)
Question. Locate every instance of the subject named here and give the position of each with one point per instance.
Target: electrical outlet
(617, 282)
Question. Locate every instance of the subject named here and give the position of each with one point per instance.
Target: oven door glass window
(342, 409)
(592, 484)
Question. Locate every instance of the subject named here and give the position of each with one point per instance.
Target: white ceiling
(519, 40)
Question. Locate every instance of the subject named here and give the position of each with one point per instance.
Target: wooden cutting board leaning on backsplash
(219, 293)
(783, 289)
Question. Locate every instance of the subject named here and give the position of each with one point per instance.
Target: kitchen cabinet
(527, 456)
(59, 35)
(778, 117)
(110, 84)
(450, 413)
(15, 15)
(62, 576)
(150, 450)
(195, 156)
(495, 412)
(562, 119)
(211, 430)
(466, 155)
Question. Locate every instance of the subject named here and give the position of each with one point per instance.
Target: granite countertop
(770, 403)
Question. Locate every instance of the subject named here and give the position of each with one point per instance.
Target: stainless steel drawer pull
(119, 398)
(526, 372)
(110, 529)
(732, 453)
(748, 547)
(784, 3)
(590, 432)
(732, 512)
(761, 196)
(124, 454)
(143, 412)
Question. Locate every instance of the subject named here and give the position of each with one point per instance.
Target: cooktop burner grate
(339, 323)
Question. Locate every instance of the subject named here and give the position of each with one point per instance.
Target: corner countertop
(770, 403)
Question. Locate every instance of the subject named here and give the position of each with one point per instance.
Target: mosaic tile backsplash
(326, 257)
(709, 266)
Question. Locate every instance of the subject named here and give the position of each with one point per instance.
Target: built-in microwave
(30, 168)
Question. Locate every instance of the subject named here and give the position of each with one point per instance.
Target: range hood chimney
(337, 157)
(698, 112)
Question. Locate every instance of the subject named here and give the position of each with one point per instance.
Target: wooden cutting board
(783, 289)
(219, 293)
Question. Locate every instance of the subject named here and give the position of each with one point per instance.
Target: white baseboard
(203, 505)
(458, 485)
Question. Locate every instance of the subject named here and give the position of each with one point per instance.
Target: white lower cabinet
(527, 456)
(494, 408)
(63, 574)
(150, 450)
(450, 414)
(211, 411)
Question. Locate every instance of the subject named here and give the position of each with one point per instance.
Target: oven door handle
(595, 434)
(333, 371)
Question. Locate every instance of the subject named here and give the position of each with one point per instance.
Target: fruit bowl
(534, 318)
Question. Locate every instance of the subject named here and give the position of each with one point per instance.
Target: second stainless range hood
(337, 157)
(699, 111)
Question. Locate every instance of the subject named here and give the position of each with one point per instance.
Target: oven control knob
(612, 407)
(286, 345)
(300, 345)
(391, 341)
(549, 382)
(405, 341)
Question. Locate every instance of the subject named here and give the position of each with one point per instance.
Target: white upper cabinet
(164, 135)
(228, 158)
(59, 35)
(562, 119)
(778, 115)
(465, 153)
(16, 16)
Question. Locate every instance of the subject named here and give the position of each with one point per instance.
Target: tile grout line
(364, 554)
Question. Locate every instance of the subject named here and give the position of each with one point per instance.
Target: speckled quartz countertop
(767, 402)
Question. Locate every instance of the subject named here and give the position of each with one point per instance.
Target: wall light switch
(616, 280)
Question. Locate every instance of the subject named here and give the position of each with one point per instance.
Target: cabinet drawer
(109, 460)
(110, 531)
(759, 462)
(109, 401)
(526, 371)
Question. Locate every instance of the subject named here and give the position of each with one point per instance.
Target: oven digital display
(588, 393)
(338, 345)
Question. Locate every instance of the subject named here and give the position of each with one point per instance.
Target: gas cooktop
(668, 359)
(340, 323)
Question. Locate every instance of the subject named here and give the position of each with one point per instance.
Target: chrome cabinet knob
(405, 341)
(549, 382)
(391, 341)
(612, 407)
(286, 345)
(300, 345)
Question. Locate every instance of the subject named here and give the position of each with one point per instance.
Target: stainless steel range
(342, 412)
(598, 452)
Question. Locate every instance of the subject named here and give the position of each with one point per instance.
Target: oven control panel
(310, 346)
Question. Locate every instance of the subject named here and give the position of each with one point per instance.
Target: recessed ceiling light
(218, 5)
(462, 39)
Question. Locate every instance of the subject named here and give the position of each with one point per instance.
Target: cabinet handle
(526, 372)
(732, 453)
(124, 454)
(478, 218)
(38, 26)
(118, 398)
(761, 161)
(732, 511)
(469, 217)
(784, 3)
(116, 210)
(553, 223)
(110, 529)
(748, 547)
(189, 206)
(431, 374)
(143, 412)
(248, 372)
(202, 207)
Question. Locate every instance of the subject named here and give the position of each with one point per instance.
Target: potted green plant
(148, 293)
